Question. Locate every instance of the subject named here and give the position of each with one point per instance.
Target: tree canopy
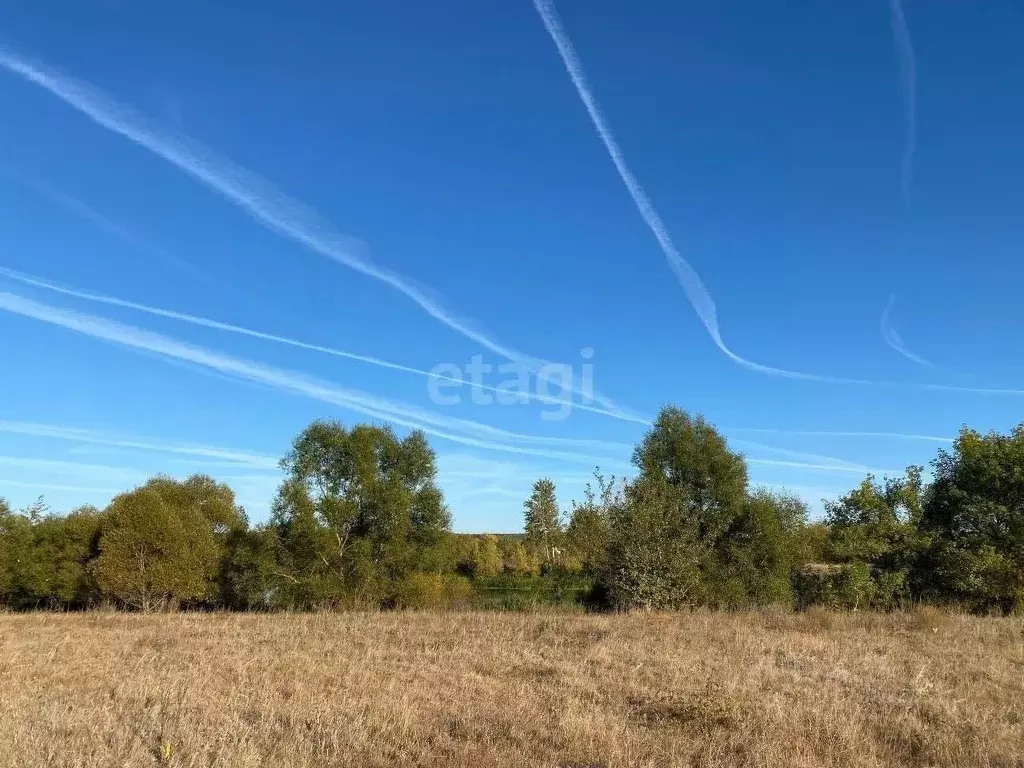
(359, 510)
(359, 521)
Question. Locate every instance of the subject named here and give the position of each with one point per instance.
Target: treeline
(359, 522)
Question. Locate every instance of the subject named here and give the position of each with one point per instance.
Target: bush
(420, 590)
(154, 554)
(432, 590)
(656, 559)
(834, 585)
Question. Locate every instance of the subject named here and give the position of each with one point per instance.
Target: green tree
(487, 557)
(690, 455)
(877, 526)
(656, 557)
(6, 550)
(63, 550)
(679, 537)
(154, 553)
(544, 533)
(811, 543)
(359, 510)
(975, 515)
(876, 522)
(479, 557)
(215, 503)
(17, 556)
(759, 552)
(589, 531)
(40, 562)
(308, 552)
(249, 574)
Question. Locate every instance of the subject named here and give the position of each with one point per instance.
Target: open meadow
(511, 689)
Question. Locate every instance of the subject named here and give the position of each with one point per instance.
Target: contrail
(253, 194)
(694, 287)
(908, 85)
(457, 430)
(204, 322)
(92, 437)
(819, 461)
(833, 433)
(823, 467)
(405, 415)
(481, 435)
(67, 467)
(59, 487)
(893, 338)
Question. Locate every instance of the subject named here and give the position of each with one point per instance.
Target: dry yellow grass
(488, 689)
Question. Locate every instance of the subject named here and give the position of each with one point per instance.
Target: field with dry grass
(491, 689)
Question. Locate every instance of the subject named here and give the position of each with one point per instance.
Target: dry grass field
(490, 689)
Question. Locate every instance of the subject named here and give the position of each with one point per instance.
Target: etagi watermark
(557, 384)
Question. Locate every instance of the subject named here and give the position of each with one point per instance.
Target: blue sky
(811, 235)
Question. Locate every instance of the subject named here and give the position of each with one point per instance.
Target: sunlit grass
(492, 689)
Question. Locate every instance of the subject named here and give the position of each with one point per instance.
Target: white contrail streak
(39, 282)
(818, 460)
(92, 437)
(58, 487)
(832, 433)
(822, 467)
(893, 338)
(457, 430)
(908, 86)
(694, 287)
(252, 193)
(204, 322)
(67, 467)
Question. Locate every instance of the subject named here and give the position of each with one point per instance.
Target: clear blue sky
(224, 162)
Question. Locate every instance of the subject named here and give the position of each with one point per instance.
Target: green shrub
(833, 585)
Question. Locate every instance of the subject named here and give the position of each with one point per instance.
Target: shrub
(833, 585)
(153, 553)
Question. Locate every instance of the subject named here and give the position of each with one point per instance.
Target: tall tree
(690, 533)
(690, 455)
(249, 575)
(361, 508)
(975, 514)
(214, 503)
(543, 522)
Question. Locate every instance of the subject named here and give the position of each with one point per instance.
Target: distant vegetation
(359, 522)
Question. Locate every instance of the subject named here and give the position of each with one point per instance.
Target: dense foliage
(359, 521)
